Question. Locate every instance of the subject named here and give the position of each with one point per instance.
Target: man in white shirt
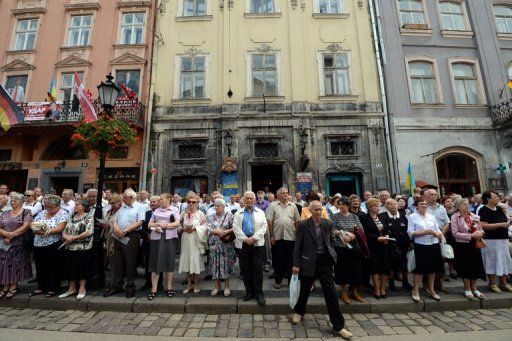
(383, 197)
(67, 202)
(176, 201)
(233, 206)
(508, 205)
(17, 92)
(299, 200)
(144, 200)
(366, 195)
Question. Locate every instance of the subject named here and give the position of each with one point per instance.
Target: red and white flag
(85, 101)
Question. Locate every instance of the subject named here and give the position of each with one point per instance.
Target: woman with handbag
(79, 259)
(163, 243)
(348, 268)
(395, 225)
(423, 228)
(467, 232)
(220, 242)
(15, 265)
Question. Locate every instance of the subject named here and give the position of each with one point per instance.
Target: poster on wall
(130, 79)
(304, 182)
(37, 111)
(229, 184)
(16, 87)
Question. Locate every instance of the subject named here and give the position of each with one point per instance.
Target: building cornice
(133, 3)
(85, 5)
(31, 10)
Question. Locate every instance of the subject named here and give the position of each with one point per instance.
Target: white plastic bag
(294, 290)
(411, 261)
(446, 250)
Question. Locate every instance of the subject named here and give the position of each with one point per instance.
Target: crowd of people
(345, 241)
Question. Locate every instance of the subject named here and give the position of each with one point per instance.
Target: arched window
(452, 16)
(423, 83)
(503, 16)
(458, 173)
(63, 149)
(466, 83)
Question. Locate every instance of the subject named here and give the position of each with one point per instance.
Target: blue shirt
(248, 223)
(129, 215)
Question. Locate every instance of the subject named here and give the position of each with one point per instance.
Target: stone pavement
(254, 326)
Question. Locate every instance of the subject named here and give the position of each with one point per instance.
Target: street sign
(503, 168)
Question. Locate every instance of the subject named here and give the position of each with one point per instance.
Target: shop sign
(304, 182)
(121, 174)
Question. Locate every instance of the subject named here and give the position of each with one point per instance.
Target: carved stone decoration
(229, 165)
(303, 5)
(344, 167)
(188, 171)
(376, 132)
(264, 48)
(163, 4)
(294, 4)
(229, 2)
(360, 3)
(221, 5)
(335, 47)
(192, 52)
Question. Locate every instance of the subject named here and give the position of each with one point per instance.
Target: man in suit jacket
(249, 226)
(314, 257)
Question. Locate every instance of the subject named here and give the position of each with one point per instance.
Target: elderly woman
(402, 205)
(395, 225)
(31, 203)
(222, 254)
(163, 243)
(193, 221)
(423, 228)
(496, 256)
(15, 265)
(46, 246)
(77, 236)
(348, 267)
(115, 202)
(467, 231)
(355, 205)
(378, 244)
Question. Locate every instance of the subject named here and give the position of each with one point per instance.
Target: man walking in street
(313, 258)
(283, 218)
(249, 226)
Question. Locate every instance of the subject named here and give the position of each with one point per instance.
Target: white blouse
(418, 222)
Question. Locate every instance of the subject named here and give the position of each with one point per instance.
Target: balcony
(502, 113)
(69, 113)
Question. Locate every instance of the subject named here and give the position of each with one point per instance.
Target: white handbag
(446, 250)
(411, 261)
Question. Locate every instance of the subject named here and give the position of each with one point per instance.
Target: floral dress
(222, 255)
(15, 263)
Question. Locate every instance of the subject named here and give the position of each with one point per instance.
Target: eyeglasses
(192, 202)
(51, 207)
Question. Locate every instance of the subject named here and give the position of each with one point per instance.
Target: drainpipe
(147, 139)
(378, 42)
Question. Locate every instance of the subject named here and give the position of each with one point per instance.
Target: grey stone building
(446, 64)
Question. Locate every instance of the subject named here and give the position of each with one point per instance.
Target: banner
(304, 182)
(229, 184)
(37, 111)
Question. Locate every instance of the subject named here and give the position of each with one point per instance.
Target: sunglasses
(192, 202)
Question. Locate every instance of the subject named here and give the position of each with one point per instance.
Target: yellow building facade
(255, 94)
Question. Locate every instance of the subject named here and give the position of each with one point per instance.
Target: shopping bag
(294, 290)
(411, 261)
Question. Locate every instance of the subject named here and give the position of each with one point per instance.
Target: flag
(127, 91)
(410, 183)
(52, 90)
(9, 112)
(85, 101)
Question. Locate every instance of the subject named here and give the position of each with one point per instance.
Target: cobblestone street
(252, 326)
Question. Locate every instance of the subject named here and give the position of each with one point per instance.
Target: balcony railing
(68, 113)
(502, 113)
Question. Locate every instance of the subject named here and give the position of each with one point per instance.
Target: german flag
(9, 112)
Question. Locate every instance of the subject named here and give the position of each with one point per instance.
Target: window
(193, 8)
(5, 154)
(336, 74)
(118, 153)
(342, 148)
(266, 150)
(67, 87)
(423, 89)
(26, 34)
(191, 151)
(262, 6)
(264, 75)
(503, 16)
(80, 30)
(330, 6)
(465, 82)
(132, 30)
(452, 17)
(411, 12)
(458, 173)
(192, 77)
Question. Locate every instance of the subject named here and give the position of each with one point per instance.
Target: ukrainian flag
(410, 183)
(52, 91)
(9, 112)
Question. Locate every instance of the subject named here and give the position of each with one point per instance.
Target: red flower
(77, 137)
(136, 139)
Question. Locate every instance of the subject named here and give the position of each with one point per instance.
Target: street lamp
(303, 140)
(108, 92)
(229, 141)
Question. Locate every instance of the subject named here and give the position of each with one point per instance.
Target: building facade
(253, 94)
(45, 40)
(446, 66)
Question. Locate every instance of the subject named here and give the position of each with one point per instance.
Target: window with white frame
(411, 12)
(503, 16)
(509, 71)
(452, 16)
(262, 6)
(330, 6)
(132, 28)
(264, 75)
(67, 85)
(193, 8)
(423, 83)
(192, 77)
(465, 83)
(336, 69)
(26, 34)
(80, 30)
